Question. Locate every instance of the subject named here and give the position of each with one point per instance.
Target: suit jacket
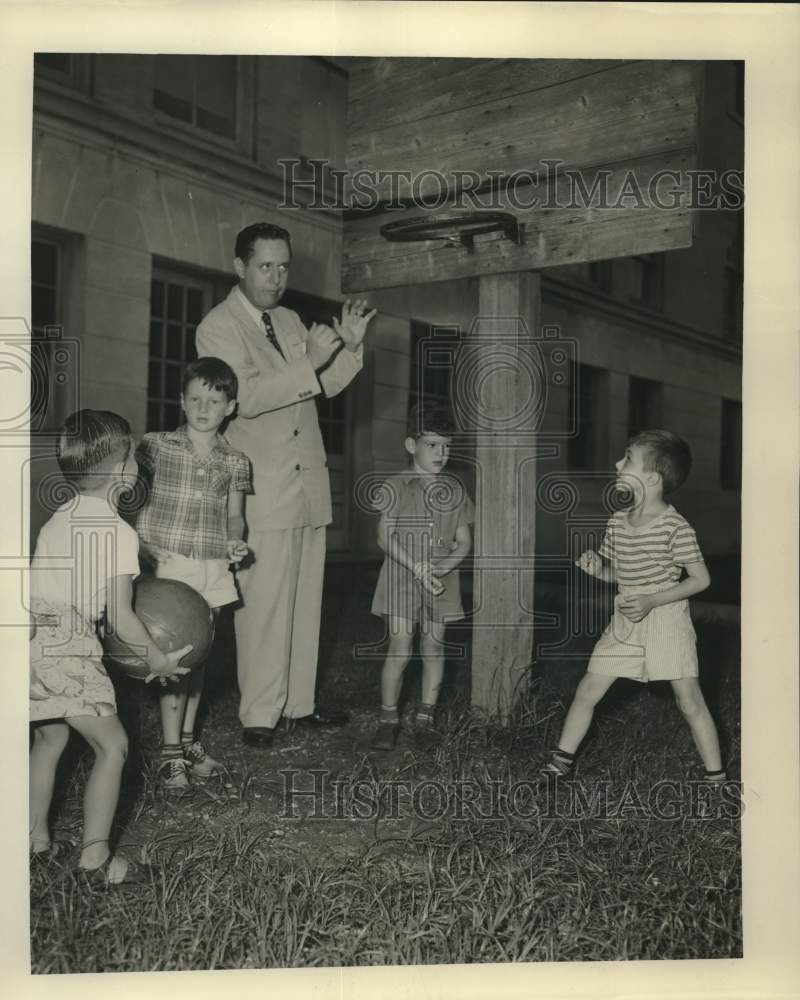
(276, 422)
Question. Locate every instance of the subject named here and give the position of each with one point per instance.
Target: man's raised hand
(321, 345)
(353, 325)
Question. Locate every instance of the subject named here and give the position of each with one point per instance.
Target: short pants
(399, 595)
(67, 676)
(211, 578)
(661, 647)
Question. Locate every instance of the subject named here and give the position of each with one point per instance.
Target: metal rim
(453, 229)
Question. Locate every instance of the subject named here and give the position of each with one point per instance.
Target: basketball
(175, 615)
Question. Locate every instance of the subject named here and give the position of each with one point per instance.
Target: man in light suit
(281, 367)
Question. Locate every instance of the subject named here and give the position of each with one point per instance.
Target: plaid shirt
(187, 506)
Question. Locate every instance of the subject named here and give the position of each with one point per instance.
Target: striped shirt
(654, 553)
(187, 506)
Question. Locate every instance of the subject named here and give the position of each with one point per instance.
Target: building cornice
(595, 301)
(174, 151)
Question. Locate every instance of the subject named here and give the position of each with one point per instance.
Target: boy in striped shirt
(646, 550)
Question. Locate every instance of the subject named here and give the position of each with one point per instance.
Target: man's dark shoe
(323, 717)
(258, 736)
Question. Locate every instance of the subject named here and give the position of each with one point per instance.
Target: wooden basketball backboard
(591, 157)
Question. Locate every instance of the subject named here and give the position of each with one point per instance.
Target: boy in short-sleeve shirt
(646, 550)
(191, 528)
(425, 533)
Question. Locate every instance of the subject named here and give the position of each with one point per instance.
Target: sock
(187, 739)
(561, 761)
(425, 714)
(389, 715)
(716, 777)
(169, 751)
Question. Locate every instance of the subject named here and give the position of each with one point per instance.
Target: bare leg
(172, 704)
(693, 706)
(579, 717)
(193, 693)
(401, 637)
(49, 741)
(107, 739)
(432, 649)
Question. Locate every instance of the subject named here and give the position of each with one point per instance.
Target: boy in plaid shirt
(191, 528)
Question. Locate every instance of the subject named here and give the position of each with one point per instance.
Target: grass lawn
(319, 852)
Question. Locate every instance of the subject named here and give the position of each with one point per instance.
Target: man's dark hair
(87, 438)
(246, 240)
(213, 372)
(429, 418)
(668, 455)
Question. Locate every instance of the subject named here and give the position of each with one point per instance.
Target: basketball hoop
(454, 230)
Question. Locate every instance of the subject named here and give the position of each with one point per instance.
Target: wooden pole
(499, 354)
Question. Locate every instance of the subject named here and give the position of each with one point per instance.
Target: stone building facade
(146, 167)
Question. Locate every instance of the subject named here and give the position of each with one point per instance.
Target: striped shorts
(661, 647)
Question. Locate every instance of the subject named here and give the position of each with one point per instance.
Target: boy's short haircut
(429, 418)
(246, 240)
(87, 438)
(213, 372)
(668, 455)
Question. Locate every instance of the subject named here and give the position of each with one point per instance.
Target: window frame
(240, 138)
(589, 453)
(653, 414)
(654, 261)
(77, 77)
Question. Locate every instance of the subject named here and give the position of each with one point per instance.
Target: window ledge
(161, 137)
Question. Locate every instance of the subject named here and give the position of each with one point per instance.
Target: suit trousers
(277, 629)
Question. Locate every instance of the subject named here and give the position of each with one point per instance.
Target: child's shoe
(560, 765)
(173, 775)
(201, 764)
(385, 736)
(426, 736)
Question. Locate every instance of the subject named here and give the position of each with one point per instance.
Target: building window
(730, 464)
(644, 405)
(734, 282)
(433, 352)
(648, 280)
(177, 304)
(45, 314)
(198, 90)
(588, 392)
(599, 274)
(66, 68)
(45, 283)
(54, 357)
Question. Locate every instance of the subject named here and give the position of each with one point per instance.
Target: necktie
(271, 337)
